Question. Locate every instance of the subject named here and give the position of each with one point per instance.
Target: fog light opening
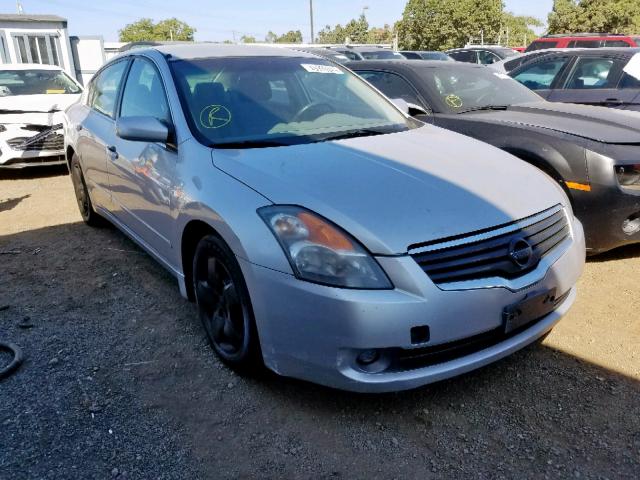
(368, 357)
(631, 225)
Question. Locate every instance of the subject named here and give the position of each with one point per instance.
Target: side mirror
(401, 104)
(142, 129)
(417, 110)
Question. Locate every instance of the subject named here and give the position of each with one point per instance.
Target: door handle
(113, 152)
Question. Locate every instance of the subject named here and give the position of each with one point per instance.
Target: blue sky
(217, 20)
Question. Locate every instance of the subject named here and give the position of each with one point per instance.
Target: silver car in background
(321, 231)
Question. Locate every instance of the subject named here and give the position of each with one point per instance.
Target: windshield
(277, 101)
(437, 56)
(35, 82)
(460, 88)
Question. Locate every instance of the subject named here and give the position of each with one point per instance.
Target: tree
(289, 37)
(380, 35)
(443, 24)
(357, 31)
(165, 30)
(247, 39)
(614, 16)
(517, 30)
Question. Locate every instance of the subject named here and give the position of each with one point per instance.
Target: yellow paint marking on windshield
(51, 91)
(454, 101)
(578, 186)
(215, 116)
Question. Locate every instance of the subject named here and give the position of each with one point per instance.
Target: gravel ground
(119, 381)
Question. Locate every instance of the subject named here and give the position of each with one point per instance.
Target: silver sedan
(322, 232)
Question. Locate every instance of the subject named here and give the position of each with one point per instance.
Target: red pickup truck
(585, 40)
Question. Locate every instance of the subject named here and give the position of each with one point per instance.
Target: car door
(594, 80)
(544, 75)
(97, 130)
(141, 174)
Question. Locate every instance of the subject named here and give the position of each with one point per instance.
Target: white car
(32, 101)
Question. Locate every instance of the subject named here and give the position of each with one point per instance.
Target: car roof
(208, 50)
(28, 66)
(478, 47)
(407, 64)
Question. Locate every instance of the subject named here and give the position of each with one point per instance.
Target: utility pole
(313, 40)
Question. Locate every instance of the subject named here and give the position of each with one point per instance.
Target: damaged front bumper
(31, 145)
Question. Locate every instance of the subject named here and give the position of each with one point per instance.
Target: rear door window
(627, 81)
(593, 73)
(542, 75)
(541, 45)
(585, 44)
(616, 43)
(487, 58)
(468, 56)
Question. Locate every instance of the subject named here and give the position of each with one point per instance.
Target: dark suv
(584, 40)
(586, 76)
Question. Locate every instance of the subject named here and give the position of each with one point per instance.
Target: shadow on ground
(119, 376)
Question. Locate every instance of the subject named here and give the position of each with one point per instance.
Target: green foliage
(357, 31)
(443, 24)
(165, 30)
(247, 39)
(613, 16)
(517, 30)
(380, 35)
(289, 37)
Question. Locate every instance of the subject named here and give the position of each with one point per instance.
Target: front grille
(54, 141)
(492, 253)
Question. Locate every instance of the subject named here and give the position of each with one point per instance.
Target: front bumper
(315, 333)
(49, 150)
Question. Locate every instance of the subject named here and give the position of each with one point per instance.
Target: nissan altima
(321, 232)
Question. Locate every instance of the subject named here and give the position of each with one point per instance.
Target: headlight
(628, 176)
(322, 252)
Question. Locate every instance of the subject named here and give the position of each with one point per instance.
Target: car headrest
(254, 87)
(209, 93)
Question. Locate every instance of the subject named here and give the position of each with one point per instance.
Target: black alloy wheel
(224, 306)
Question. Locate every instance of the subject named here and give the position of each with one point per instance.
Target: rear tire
(89, 216)
(224, 306)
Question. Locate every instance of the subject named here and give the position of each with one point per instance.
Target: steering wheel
(312, 111)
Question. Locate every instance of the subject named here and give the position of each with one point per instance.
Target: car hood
(35, 109)
(396, 190)
(392, 191)
(601, 124)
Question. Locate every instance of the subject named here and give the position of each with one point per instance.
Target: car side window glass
(541, 75)
(590, 73)
(586, 44)
(466, 56)
(104, 91)
(616, 43)
(627, 81)
(487, 58)
(144, 94)
(392, 85)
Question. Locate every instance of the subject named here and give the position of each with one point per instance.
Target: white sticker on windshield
(314, 68)
(503, 76)
(633, 67)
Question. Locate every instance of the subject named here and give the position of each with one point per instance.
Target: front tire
(224, 306)
(89, 216)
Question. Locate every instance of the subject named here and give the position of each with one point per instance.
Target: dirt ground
(119, 381)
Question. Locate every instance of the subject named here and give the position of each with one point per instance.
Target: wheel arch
(194, 231)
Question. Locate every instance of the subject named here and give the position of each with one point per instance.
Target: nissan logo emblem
(521, 253)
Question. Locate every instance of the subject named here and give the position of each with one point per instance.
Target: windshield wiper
(249, 144)
(361, 132)
(486, 108)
